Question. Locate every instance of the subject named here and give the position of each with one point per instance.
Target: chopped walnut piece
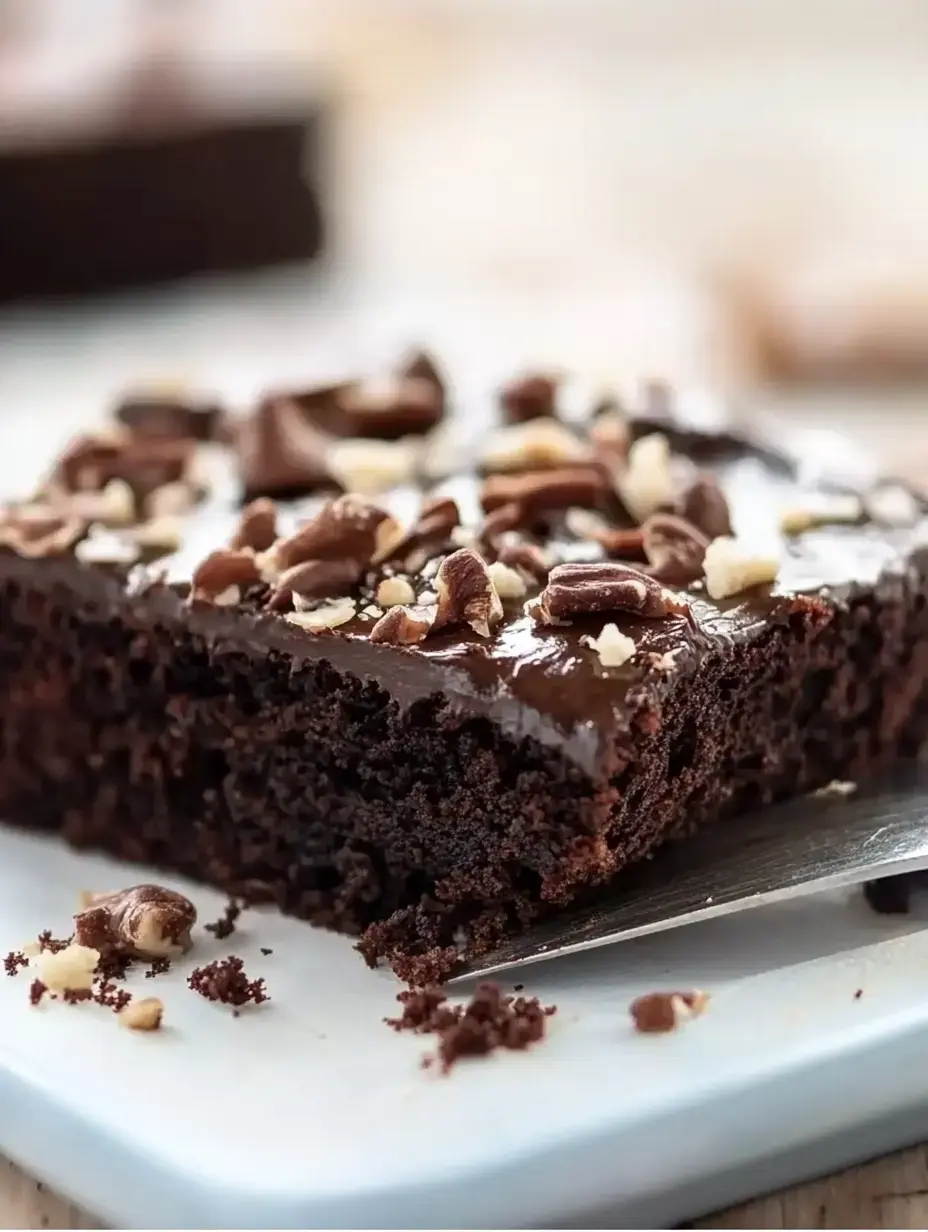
(300, 585)
(347, 528)
(537, 492)
(258, 528)
(613, 647)
(509, 582)
(533, 445)
(371, 466)
(731, 567)
(705, 505)
(328, 617)
(586, 589)
(395, 592)
(149, 921)
(70, 969)
(658, 1012)
(647, 483)
(142, 1015)
(433, 530)
(466, 594)
(675, 549)
(404, 626)
(221, 570)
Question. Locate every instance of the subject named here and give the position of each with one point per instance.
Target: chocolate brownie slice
(431, 714)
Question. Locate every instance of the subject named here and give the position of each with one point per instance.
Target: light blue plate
(310, 1112)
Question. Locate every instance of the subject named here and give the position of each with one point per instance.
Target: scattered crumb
(144, 1015)
(37, 991)
(46, 942)
(71, 996)
(158, 967)
(858, 994)
(225, 981)
(518, 987)
(225, 925)
(489, 1021)
(110, 997)
(14, 961)
(265, 951)
(658, 1012)
(114, 965)
(836, 788)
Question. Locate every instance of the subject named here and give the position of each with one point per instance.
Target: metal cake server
(789, 851)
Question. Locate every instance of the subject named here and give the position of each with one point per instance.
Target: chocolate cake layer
(265, 722)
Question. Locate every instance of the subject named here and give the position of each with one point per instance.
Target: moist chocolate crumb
(158, 967)
(110, 997)
(37, 991)
(225, 925)
(858, 994)
(71, 996)
(225, 980)
(54, 945)
(265, 951)
(491, 1020)
(114, 965)
(13, 961)
(518, 987)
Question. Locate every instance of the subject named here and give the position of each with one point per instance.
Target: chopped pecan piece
(544, 491)
(347, 528)
(625, 543)
(403, 626)
(675, 549)
(313, 579)
(466, 594)
(428, 535)
(258, 527)
(528, 557)
(503, 519)
(585, 589)
(222, 570)
(531, 397)
(704, 505)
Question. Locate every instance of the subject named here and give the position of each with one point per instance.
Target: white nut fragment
(171, 500)
(646, 484)
(584, 523)
(143, 1015)
(509, 582)
(228, 597)
(893, 505)
(613, 647)
(824, 510)
(838, 789)
(161, 534)
(102, 548)
(113, 506)
(731, 567)
(395, 592)
(70, 969)
(365, 466)
(328, 617)
(527, 446)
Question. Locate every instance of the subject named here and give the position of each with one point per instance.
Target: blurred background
(232, 192)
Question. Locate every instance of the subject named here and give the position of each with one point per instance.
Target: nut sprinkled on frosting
(731, 568)
(150, 921)
(509, 582)
(348, 527)
(540, 491)
(314, 579)
(586, 589)
(647, 482)
(258, 528)
(328, 617)
(395, 592)
(613, 647)
(675, 549)
(221, 571)
(533, 445)
(466, 594)
(404, 626)
(371, 466)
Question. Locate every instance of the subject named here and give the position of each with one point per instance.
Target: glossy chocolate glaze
(538, 682)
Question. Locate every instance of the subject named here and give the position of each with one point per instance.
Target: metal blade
(788, 851)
